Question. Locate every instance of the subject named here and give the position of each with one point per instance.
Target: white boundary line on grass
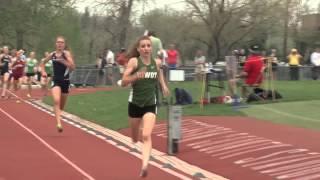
(288, 114)
(82, 172)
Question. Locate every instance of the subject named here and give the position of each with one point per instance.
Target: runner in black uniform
(5, 60)
(62, 64)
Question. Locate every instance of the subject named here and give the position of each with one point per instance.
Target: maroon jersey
(18, 67)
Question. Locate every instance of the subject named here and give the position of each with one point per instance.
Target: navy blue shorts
(3, 71)
(135, 111)
(63, 84)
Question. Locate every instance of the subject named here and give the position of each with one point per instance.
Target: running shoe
(144, 172)
(59, 128)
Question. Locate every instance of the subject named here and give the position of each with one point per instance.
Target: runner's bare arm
(42, 64)
(128, 77)
(70, 61)
(1, 64)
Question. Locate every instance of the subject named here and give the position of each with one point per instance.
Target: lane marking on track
(167, 163)
(124, 143)
(89, 177)
(238, 147)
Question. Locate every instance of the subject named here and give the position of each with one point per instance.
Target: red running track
(32, 149)
(242, 148)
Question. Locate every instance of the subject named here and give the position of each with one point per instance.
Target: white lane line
(232, 143)
(283, 162)
(195, 131)
(293, 170)
(260, 147)
(206, 136)
(204, 141)
(89, 177)
(219, 142)
(217, 145)
(203, 130)
(276, 159)
(284, 168)
(302, 173)
(237, 146)
(290, 151)
(311, 177)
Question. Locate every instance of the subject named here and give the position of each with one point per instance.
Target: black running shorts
(63, 84)
(30, 74)
(135, 111)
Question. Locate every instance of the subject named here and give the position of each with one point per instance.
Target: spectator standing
(122, 60)
(274, 63)
(199, 61)
(100, 63)
(110, 62)
(173, 57)
(155, 43)
(242, 56)
(315, 61)
(157, 48)
(294, 60)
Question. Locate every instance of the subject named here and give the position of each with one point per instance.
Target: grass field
(302, 114)
(298, 107)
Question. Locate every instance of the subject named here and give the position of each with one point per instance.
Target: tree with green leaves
(24, 17)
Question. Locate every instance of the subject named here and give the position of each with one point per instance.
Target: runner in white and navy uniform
(5, 61)
(60, 72)
(63, 63)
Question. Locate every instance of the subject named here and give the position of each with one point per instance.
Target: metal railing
(91, 76)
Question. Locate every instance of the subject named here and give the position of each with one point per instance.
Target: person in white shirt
(199, 61)
(315, 61)
(109, 58)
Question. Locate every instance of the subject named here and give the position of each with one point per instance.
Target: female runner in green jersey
(31, 65)
(46, 80)
(143, 73)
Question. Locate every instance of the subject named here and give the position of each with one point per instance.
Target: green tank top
(31, 63)
(143, 92)
(48, 67)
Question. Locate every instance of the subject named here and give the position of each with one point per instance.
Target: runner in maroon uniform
(17, 72)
